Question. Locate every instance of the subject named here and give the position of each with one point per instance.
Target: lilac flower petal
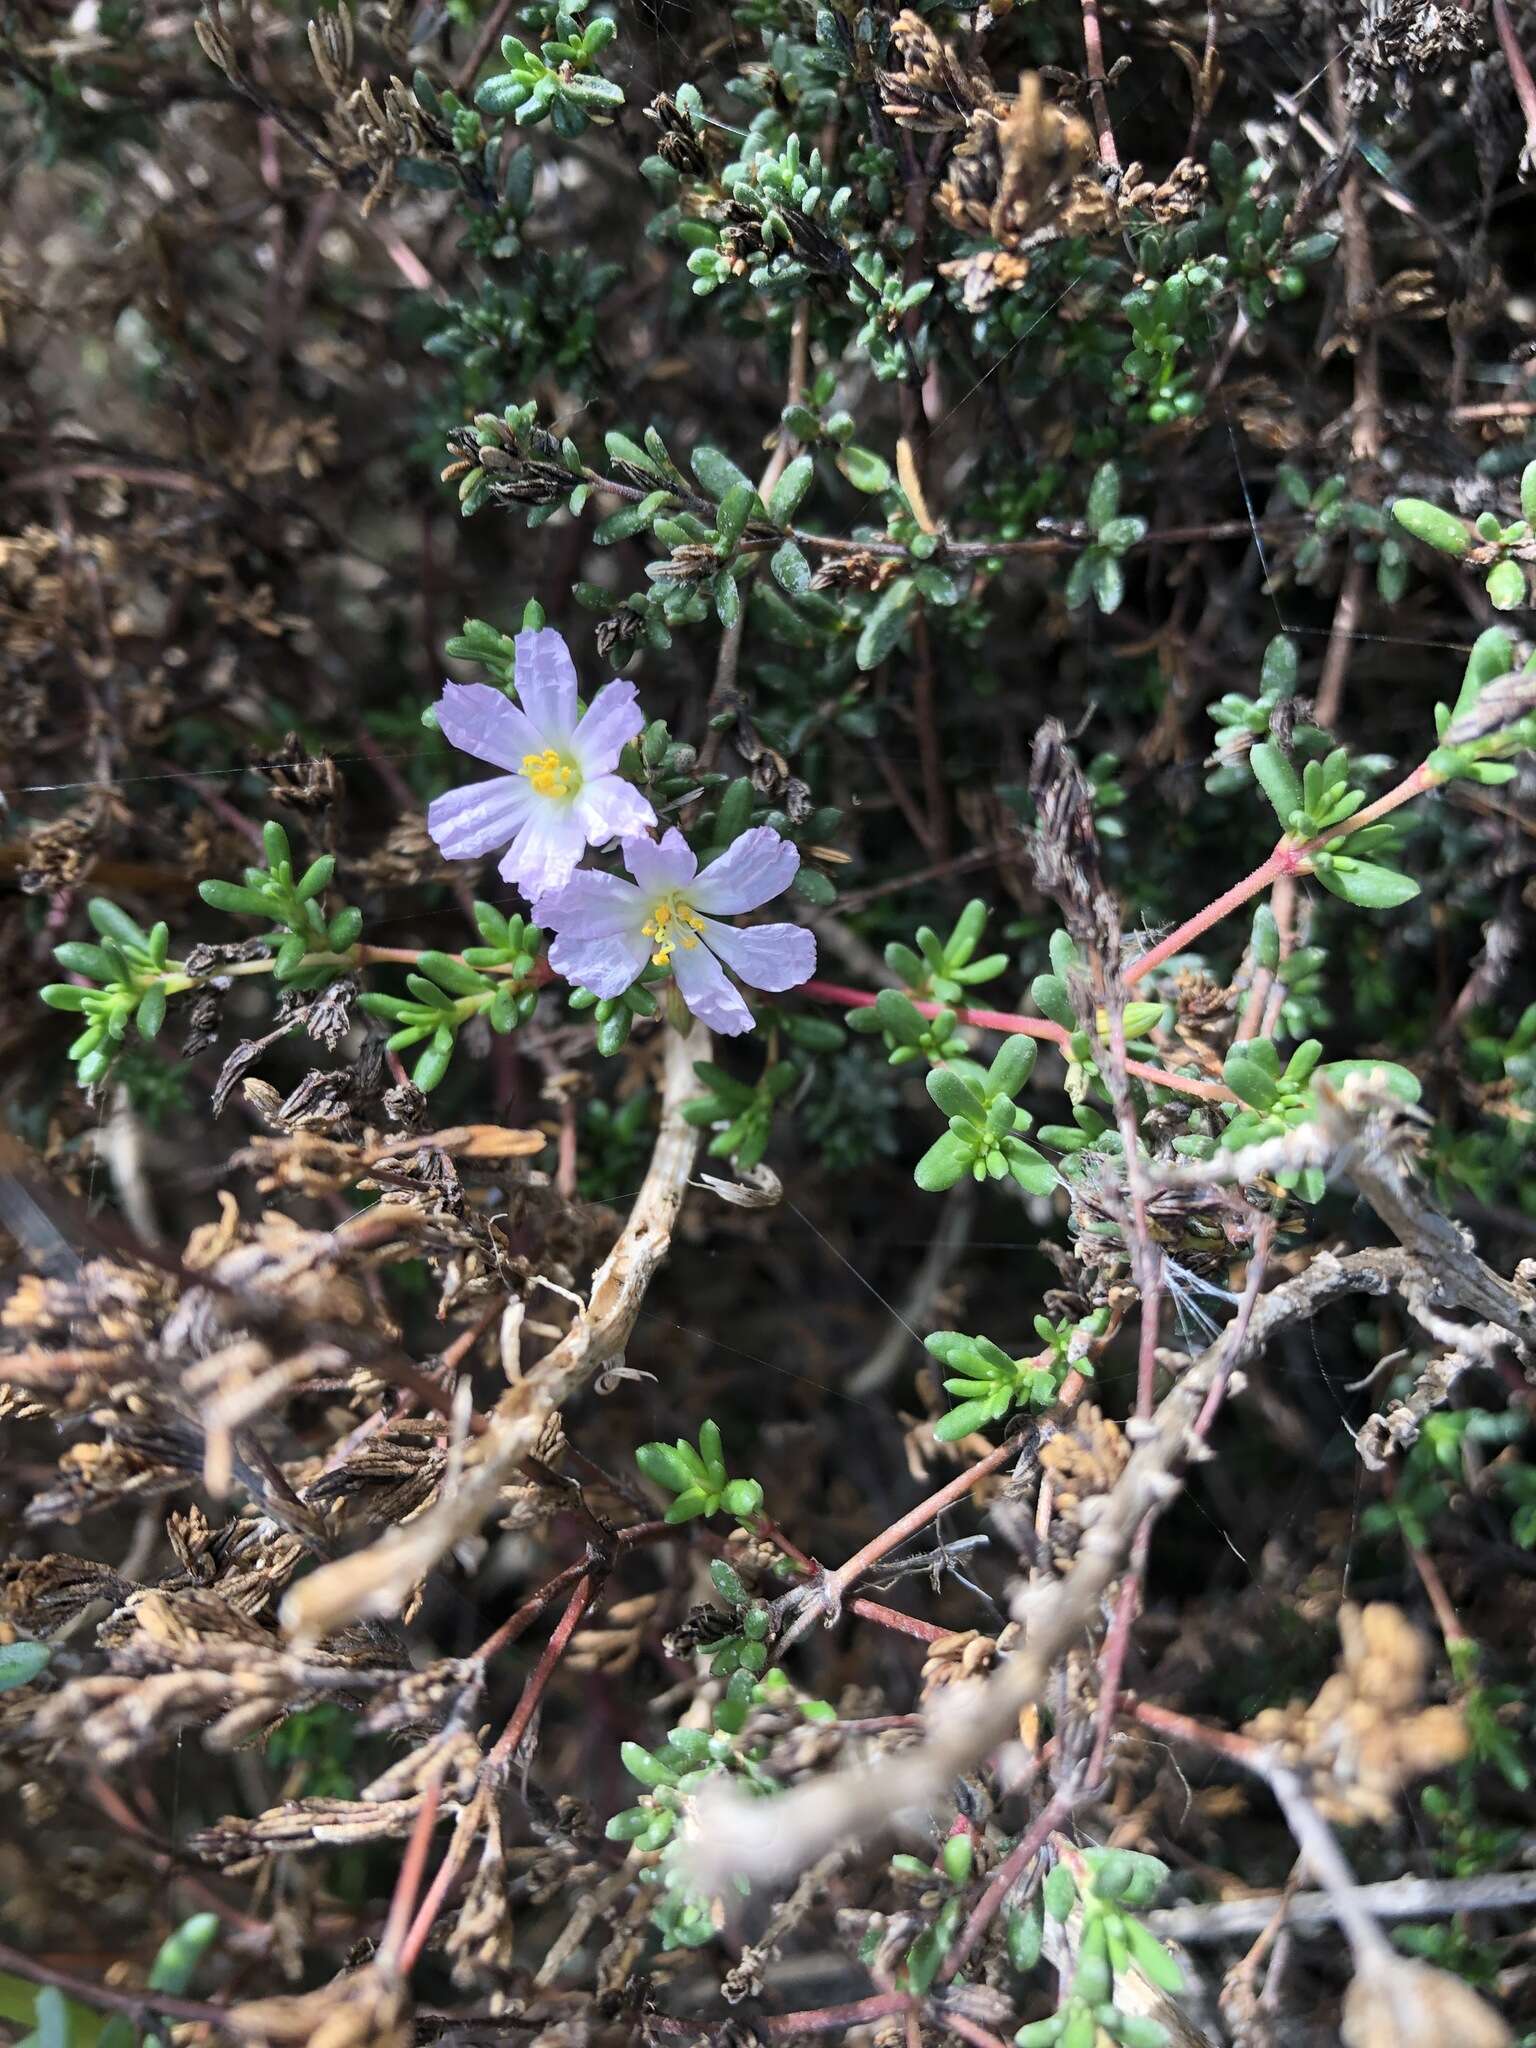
(546, 685)
(660, 866)
(593, 905)
(607, 966)
(545, 853)
(703, 987)
(613, 718)
(610, 808)
(753, 870)
(480, 818)
(481, 721)
(766, 956)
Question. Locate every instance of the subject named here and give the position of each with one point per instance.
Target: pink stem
(920, 1516)
(1287, 859)
(1031, 1027)
(543, 1671)
(1231, 899)
(412, 1868)
(903, 1624)
(984, 1020)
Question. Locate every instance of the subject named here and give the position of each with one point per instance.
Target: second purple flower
(606, 929)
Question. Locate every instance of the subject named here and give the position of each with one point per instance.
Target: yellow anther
(671, 924)
(550, 775)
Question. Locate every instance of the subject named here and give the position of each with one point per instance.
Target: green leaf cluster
(1311, 805)
(129, 969)
(939, 970)
(1096, 573)
(698, 1478)
(1275, 1099)
(293, 906)
(986, 1129)
(511, 459)
(738, 1112)
(1112, 1943)
(990, 1384)
(1513, 544)
(1159, 312)
(1265, 260)
(1332, 515)
(1493, 717)
(558, 82)
(493, 980)
(615, 1016)
(746, 1647)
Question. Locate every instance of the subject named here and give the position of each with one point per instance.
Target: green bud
(742, 1498)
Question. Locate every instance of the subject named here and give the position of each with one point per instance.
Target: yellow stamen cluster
(671, 924)
(550, 775)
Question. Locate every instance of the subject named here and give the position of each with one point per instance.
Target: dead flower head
(1368, 1734)
(1084, 1459)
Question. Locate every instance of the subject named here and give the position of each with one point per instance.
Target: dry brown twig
(377, 1581)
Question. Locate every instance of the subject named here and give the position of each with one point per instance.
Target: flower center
(552, 774)
(671, 924)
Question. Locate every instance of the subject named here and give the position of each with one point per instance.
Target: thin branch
(899, 1623)
(1098, 97)
(543, 1671)
(1042, 544)
(1341, 642)
(469, 70)
(1398, 1898)
(408, 1881)
(822, 2019)
(1288, 858)
(135, 2003)
(827, 1594)
(970, 2030)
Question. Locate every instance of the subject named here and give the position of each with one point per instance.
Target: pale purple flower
(560, 794)
(606, 929)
